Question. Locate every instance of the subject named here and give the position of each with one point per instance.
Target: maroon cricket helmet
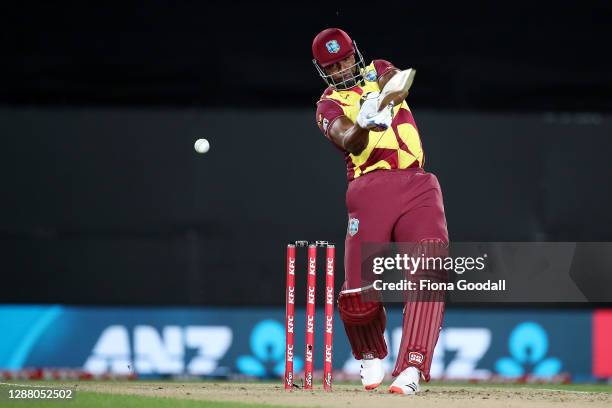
(331, 46)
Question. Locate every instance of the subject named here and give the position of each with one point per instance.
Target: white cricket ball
(201, 146)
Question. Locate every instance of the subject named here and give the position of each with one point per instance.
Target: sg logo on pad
(415, 357)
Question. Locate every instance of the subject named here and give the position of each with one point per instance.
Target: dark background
(485, 55)
(104, 200)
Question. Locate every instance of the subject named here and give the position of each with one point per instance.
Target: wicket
(310, 313)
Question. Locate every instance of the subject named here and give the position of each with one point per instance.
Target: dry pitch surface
(446, 396)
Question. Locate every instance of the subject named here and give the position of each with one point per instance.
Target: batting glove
(370, 118)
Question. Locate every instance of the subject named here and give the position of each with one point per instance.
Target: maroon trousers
(397, 206)
(391, 206)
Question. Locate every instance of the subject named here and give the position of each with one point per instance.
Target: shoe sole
(397, 390)
(371, 387)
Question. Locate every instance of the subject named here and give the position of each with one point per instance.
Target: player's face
(341, 71)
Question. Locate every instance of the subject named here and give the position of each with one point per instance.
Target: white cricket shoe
(407, 383)
(372, 373)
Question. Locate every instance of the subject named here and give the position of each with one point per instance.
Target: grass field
(205, 394)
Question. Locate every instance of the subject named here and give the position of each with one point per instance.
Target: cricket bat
(396, 90)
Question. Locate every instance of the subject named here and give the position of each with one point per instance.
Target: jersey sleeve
(327, 112)
(382, 67)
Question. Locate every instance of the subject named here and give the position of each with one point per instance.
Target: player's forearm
(348, 135)
(355, 139)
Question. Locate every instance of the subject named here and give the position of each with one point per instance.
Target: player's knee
(360, 306)
(434, 252)
(432, 248)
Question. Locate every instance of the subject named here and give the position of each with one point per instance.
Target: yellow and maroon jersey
(399, 147)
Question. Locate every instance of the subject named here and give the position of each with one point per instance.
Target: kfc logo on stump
(328, 354)
(330, 266)
(312, 266)
(291, 266)
(329, 296)
(311, 295)
(329, 325)
(289, 324)
(310, 324)
(291, 295)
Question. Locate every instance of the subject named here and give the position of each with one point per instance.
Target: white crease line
(570, 391)
(31, 386)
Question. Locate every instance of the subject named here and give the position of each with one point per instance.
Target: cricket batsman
(390, 198)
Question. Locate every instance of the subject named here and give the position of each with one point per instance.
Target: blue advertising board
(218, 341)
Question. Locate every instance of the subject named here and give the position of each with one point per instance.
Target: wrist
(362, 122)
